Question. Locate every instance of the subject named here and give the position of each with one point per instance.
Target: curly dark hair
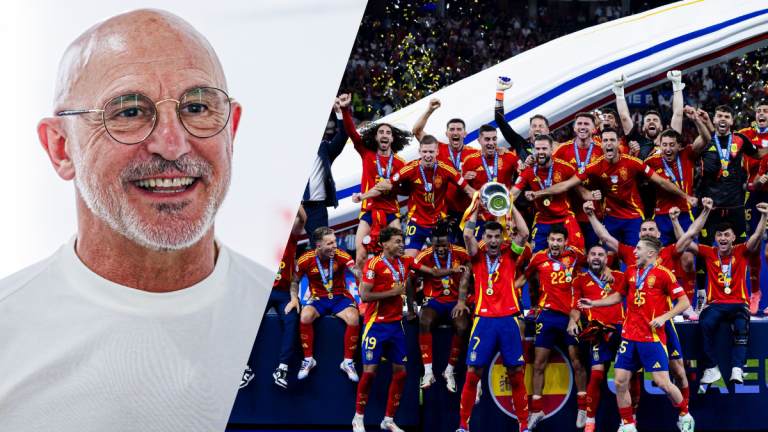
(400, 137)
(442, 228)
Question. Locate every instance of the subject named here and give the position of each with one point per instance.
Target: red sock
(307, 336)
(425, 343)
(520, 397)
(536, 404)
(581, 401)
(755, 262)
(395, 391)
(456, 346)
(593, 392)
(682, 407)
(362, 390)
(350, 341)
(635, 388)
(626, 415)
(689, 285)
(686, 392)
(468, 394)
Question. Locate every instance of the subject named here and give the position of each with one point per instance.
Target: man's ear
(53, 137)
(234, 120)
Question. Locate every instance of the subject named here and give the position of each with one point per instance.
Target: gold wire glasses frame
(131, 119)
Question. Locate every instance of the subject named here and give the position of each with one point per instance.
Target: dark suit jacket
(328, 152)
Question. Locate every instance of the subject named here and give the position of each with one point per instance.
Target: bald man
(143, 320)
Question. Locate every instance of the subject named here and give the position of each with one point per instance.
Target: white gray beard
(111, 206)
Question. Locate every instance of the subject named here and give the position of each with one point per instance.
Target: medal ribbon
(389, 166)
(428, 186)
(597, 280)
(671, 174)
(395, 274)
(726, 275)
(568, 270)
(549, 176)
(327, 280)
(725, 155)
(491, 267)
(640, 280)
(446, 280)
(495, 166)
(456, 160)
(579, 163)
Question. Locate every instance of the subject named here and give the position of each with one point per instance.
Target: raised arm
(692, 246)
(621, 104)
(418, 127)
(556, 188)
(705, 137)
(677, 100)
(515, 140)
(349, 124)
(672, 188)
(684, 240)
(756, 239)
(470, 242)
(600, 231)
(340, 140)
(522, 229)
(298, 223)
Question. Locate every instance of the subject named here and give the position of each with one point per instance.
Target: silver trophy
(496, 199)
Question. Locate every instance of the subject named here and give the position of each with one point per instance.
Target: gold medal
(725, 173)
(727, 290)
(568, 278)
(489, 291)
(547, 202)
(279, 276)
(607, 290)
(330, 296)
(446, 291)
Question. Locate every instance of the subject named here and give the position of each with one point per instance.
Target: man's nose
(169, 139)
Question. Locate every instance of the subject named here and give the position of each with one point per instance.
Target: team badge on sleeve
(369, 274)
(396, 177)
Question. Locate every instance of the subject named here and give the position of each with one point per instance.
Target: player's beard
(596, 268)
(544, 162)
(108, 201)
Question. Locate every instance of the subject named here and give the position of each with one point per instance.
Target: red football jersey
(556, 291)
(307, 265)
(504, 300)
(584, 286)
(434, 287)
(378, 274)
(386, 202)
(665, 200)
(646, 304)
(283, 278)
(424, 208)
(754, 167)
(456, 198)
(567, 153)
(618, 182)
(507, 169)
(716, 285)
(559, 208)
(667, 258)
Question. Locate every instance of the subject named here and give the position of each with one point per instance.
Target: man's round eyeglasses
(130, 119)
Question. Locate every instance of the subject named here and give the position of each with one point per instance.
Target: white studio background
(283, 61)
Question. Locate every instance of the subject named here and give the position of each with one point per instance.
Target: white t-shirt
(81, 353)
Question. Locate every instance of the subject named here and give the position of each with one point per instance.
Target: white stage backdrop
(283, 60)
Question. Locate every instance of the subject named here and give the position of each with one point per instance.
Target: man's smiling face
(164, 192)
